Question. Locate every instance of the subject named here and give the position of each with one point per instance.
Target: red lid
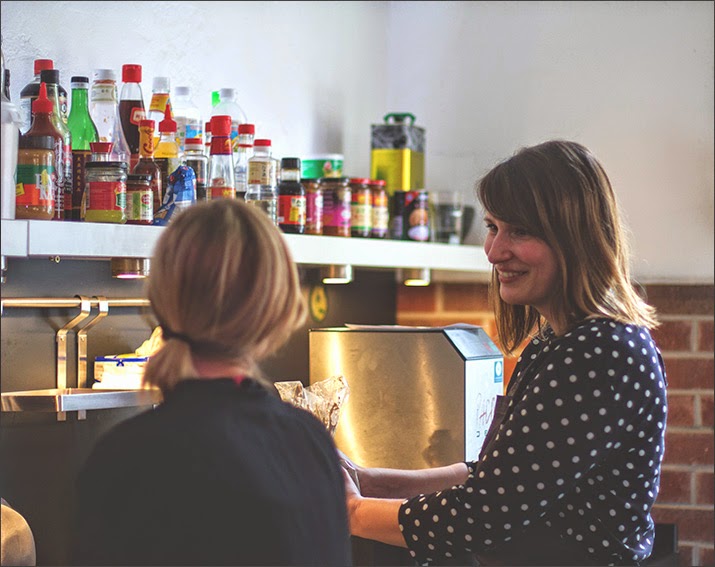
(42, 103)
(207, 126)
(167, 125)
(380, 182)
(246, 129)
(131, 73)
(147, 124)
(101, 147)
(360, 180)
(42, 64)
(221, 125)
(262, 142)
(193, 142)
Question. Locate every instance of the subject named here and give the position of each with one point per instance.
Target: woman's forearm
(396, 483)
(376, 519)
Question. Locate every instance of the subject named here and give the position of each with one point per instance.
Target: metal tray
(77, 399)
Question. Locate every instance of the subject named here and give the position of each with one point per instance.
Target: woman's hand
(351, 468)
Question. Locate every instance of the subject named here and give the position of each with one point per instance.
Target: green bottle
(84, 132)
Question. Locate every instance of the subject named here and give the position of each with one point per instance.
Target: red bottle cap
(42, 64)
(132, 73)
(246, 129)
(221, 125)
(262, 142)
(167, 125)
(101, 147)
(360, 180)
(43, 104)
(147, 124)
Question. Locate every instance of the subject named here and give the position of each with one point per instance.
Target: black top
(574, 468)
(218, 474)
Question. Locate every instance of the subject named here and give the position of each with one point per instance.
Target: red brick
(693, 525)
(674, 335)
(674, 487)
(416, 298)
(706, 410)
(704, 483)
(681, 410)
(706, 342)
(706, 556)
(682, 299)
(689, 373)
(466, 297)
(691, 448)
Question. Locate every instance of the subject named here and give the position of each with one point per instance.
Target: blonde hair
(559, 192)
(224, 287)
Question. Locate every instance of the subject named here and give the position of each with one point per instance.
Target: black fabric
(218, 474)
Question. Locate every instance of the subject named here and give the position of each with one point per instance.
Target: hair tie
(169, 334)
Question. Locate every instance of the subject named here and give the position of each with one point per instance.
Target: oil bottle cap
(168, 124)
(194, 144)
(262, 142)
(160, 84)
(41, 64)
(147, 124)
(50, 76)
(221, 125)
(226, 94)
(131, 73)
(101, 147)
(42, 104)
(182, 91)
(79, 82)
(104, 75)
(246, 129)
(290, 163)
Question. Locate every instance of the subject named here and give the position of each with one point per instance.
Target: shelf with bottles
(102, 241)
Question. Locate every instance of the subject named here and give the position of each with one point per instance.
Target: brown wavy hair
(559, 192)
(223, 286)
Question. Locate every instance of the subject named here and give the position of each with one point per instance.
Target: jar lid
(378, 182)
(131, 73)
(262, 142)
(137, 177)
(96, 164)
(101, 147)
(290, 163)
(341, 180)
(37, 142)
(360, 180)
(246, 129)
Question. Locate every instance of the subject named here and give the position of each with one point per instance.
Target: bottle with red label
(131, 109)
(147, 165)
(291, 198)
(221, 180)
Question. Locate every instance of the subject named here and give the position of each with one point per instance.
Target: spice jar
(360, 207)
(140, 199)
(380, 211)
(336, 205)
(105, 195)
(36, 178)
(314, 206)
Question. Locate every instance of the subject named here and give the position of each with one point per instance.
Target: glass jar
(360, 207)
(337, 201)
(105, 195)
(380, 210)
(313, 206)
(140, 199)
(36, 178)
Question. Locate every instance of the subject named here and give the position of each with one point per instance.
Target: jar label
(291, 210)
(261, 173)
(106, 196)
(35, 185)
(140, 206)
(314, 212)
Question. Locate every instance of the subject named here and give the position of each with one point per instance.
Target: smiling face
(527, 267)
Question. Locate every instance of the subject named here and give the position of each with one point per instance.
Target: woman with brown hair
(222, 472)
(570, 468)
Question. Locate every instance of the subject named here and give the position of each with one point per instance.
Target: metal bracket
(85, 307)
(82, 346)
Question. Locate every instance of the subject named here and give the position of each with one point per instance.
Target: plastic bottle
(197, 160)
(229, 105)
(291, 198)
(30, 92)
(131, 108)
(52, 78)
(104, 109)
(147, 165)
(160, 98)
(84, 132)
(246, 133)
(262, 188)
(35, 190)
(167, 154)
(189, 123)
(221, 182)
(43, 124)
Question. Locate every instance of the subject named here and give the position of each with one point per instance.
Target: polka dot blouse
(579, 451)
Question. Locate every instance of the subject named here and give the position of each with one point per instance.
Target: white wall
(631, 80)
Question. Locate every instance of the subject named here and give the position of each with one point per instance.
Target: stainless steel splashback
(419, 396)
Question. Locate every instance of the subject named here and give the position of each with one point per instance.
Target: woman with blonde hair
(570, 467)
(222, 472)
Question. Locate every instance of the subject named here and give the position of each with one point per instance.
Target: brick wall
(686, 340)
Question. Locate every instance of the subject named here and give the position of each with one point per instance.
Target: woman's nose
(496, 248)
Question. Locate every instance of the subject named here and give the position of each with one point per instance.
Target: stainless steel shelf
(77, 399)
(101, 241)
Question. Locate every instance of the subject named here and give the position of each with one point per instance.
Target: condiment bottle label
(261, 173)
(35, 186)
(158, 102)
(106, 196)
(291, 210)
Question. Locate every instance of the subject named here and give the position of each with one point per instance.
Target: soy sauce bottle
(291, 198)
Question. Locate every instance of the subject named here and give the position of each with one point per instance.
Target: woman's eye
(520, 232)
(491, 227)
